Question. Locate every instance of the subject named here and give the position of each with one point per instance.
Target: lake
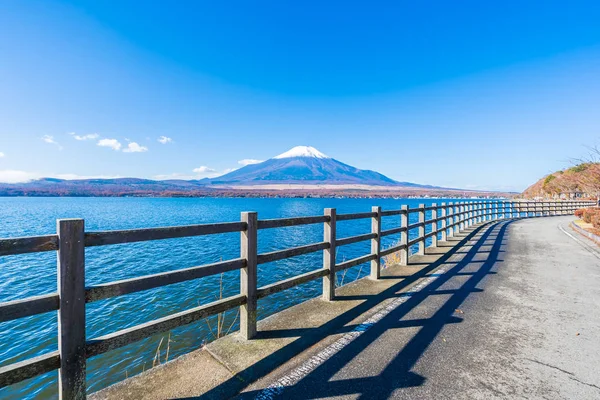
(29, 275)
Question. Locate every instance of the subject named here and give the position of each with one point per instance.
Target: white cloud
(165, 140)
(112, 143)
(1, 154)
(175, 175)
(249, 161)
(75, 176)
(203, 170)
(133, 147)
(89, 136)
(15, 176)
(50, 139)
(199, 173)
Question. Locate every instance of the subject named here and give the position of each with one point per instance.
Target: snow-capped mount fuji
(303, 165)
(302, 151)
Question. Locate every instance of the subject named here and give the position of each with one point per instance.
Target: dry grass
(340, 282)
(156, 361)
(218, 331)
(392, 259)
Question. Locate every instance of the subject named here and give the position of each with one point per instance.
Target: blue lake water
(28, 275)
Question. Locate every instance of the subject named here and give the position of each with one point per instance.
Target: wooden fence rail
(71, 239)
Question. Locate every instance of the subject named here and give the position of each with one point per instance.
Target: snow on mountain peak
(302, 151)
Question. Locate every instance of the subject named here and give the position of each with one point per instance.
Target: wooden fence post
(248, 275)
(451, 219)
(421, 230)
(543, 205)
(376, 242)
(444, 235)
(434, 225)
(469, 214)
(329, 236)
(404, 236)
(71, 312)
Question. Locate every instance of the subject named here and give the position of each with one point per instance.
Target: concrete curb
(595, 238)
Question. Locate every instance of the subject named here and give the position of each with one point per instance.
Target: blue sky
(471, 94)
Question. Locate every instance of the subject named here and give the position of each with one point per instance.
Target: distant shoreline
(272, 194)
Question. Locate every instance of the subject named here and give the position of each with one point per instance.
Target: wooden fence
(71, 239)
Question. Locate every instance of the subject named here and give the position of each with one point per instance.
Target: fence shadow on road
(478, 261)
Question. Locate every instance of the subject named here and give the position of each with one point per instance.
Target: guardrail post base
(376, 243)
(329, 236)
(404, 236)
(248, 275)
(434, 224)
(444, 234)
(421, 229)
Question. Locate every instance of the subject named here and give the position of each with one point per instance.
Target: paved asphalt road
(516, 314)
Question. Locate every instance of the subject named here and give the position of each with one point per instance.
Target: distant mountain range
(305, 165)
(299, 168)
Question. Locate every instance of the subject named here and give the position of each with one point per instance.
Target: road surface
(515, 314)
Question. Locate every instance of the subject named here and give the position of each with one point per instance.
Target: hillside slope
(581, 179)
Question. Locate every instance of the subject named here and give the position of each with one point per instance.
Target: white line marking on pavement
(585, 245)
(275, 389)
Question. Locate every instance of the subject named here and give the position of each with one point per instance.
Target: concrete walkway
(513, 314)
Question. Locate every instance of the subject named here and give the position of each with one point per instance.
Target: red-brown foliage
(590, 215)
